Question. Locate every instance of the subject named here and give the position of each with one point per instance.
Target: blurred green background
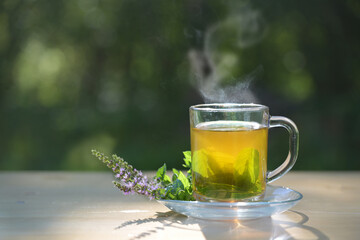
(115, 75)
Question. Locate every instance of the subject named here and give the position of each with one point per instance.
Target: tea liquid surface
(229, 160)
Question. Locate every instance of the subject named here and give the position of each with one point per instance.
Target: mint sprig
(179, 187)
(130, 180)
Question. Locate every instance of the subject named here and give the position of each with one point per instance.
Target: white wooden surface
(72, 205)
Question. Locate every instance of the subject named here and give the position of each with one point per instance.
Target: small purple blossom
(129, 179)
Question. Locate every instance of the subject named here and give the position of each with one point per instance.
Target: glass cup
(229, 150)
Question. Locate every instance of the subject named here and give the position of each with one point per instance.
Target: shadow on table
(262, 228)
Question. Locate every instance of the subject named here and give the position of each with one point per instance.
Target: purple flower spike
(129, 179)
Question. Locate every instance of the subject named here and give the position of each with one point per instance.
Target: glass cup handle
(284, 122)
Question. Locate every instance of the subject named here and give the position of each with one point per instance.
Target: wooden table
(77, 205)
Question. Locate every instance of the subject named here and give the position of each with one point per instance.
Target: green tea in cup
(229, 151)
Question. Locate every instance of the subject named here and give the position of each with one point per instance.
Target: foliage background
(115, 75)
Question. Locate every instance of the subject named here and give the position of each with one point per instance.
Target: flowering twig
(129, 179)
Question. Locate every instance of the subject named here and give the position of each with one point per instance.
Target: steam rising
(215, 64)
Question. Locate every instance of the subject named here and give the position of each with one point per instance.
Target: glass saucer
(276, 200)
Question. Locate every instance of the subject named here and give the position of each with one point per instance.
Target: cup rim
(229, 107)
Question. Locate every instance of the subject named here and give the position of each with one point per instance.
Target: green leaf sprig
(179, 187)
